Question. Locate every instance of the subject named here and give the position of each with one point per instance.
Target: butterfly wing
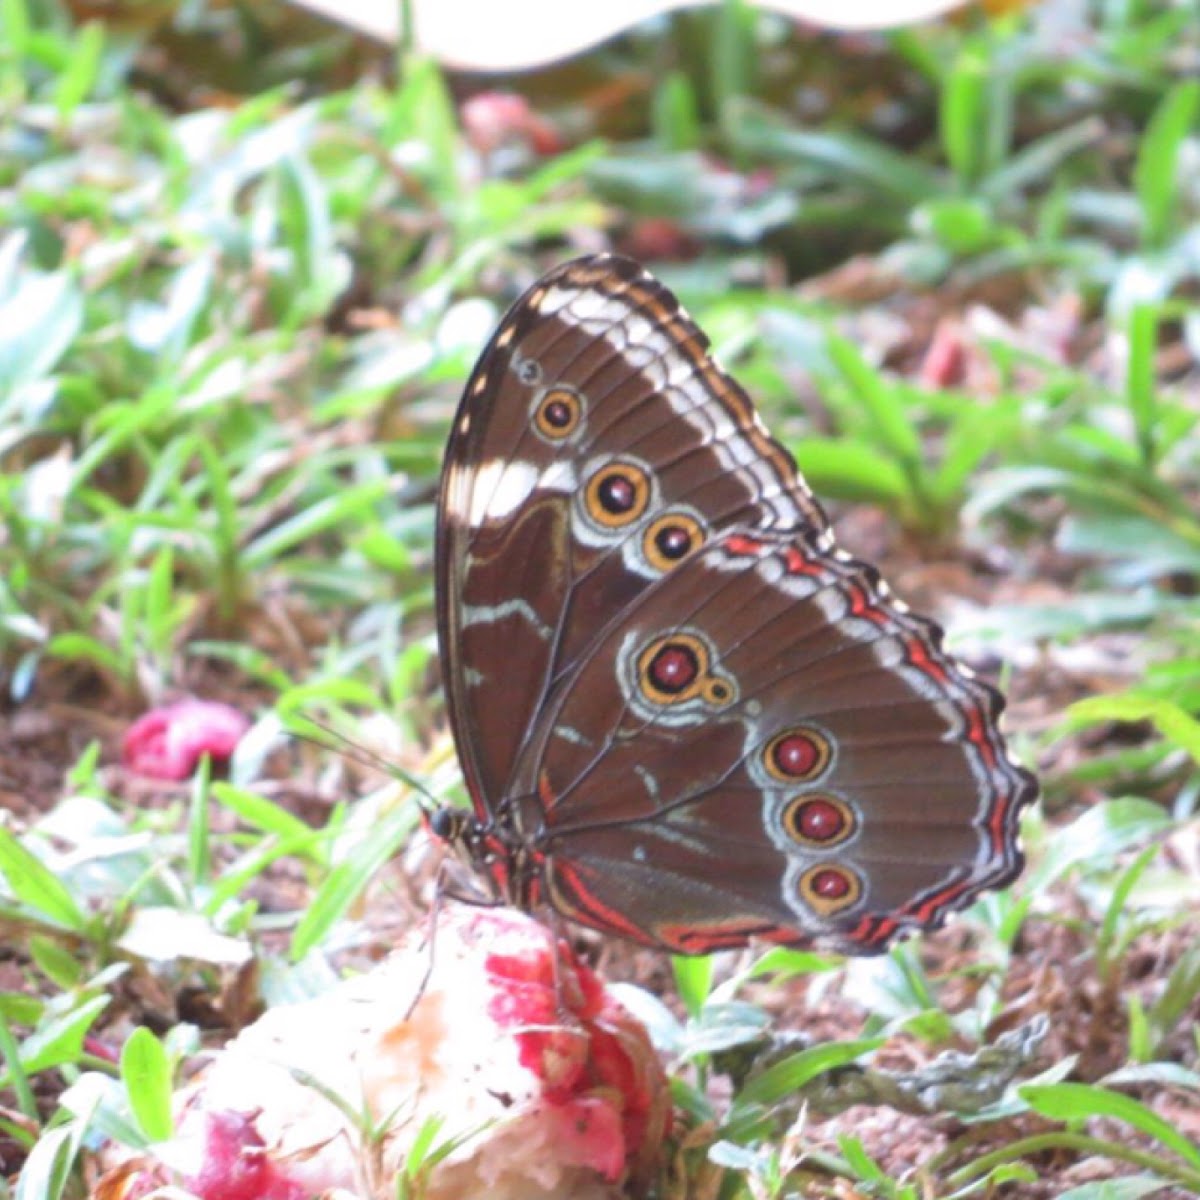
(597, 445)
(767, 744)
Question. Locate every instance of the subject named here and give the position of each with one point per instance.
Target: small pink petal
(167, 742)
(492, 119)
(659, 239)
(945, 361)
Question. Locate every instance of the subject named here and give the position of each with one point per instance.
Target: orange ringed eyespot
(670, 539)
(678, 668)
(558, 414)
(818, 820)
(797, 755)
(617, 495)
(829, 889)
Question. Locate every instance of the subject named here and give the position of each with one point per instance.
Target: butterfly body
(684, 715)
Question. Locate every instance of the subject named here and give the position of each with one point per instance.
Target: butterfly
(684, 715)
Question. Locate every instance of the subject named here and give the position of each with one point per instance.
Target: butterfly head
(493, 853)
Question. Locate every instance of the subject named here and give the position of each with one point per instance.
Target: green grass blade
(1083, 1101)
(1156, 170)
(34, 884)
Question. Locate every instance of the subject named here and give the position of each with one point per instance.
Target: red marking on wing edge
(742, 546)
(796, 562)
(920, 659)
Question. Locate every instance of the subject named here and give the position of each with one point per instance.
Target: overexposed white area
(512, 35)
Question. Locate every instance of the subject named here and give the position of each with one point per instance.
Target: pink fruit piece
(167, 742)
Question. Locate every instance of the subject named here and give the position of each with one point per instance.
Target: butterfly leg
(443, 889)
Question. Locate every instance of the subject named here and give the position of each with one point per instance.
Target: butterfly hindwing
(766, 743)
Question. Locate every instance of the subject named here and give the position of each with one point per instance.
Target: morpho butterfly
(684, 715)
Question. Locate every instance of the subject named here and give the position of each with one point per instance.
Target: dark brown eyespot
(797, 755)
(617, 495)
(829, 889)
(671, 538)
(818, 820)
(679, 667)
(558, 414)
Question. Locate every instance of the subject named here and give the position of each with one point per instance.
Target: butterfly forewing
(596, 447)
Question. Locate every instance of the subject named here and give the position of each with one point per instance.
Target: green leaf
(744, 1159)
(56, 962)
(1129, 1187)
(1171, 721)
(61, 1039)
(722, 1026)
(47, 1171)
(794, 1072)
(423, 1144)
(1141, 1047)
(99, 1100)
(1141, 547)
(166, 327)
(78, 76)
(1081, 1101)
(34, 884)
(962, 226)
(675, 114)
(15, 1076)
(146, 1072)
(1096, 836)
(785, 963)
(85, 648)
(1178, 996)
(320, 516)
(849, 469)
(733, 58)
(886, 413)
(227, 524)
(384, 551)
(859, 1161)
(423, 115)
(975, 433)
(348, 879)
(693, 980)
(1158, 1074)
(1116, 905)
(886, 174)
(199, 855)
(263, 814)
(1155, 172)
(1140, 378)
(962, 116)
(38, 322)
(1040, 161)
(308, 232)
(15, 26)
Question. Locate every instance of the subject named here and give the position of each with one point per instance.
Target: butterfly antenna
(339, 743)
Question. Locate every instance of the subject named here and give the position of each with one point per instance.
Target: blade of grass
(1154, 174)
(1081, 1101)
